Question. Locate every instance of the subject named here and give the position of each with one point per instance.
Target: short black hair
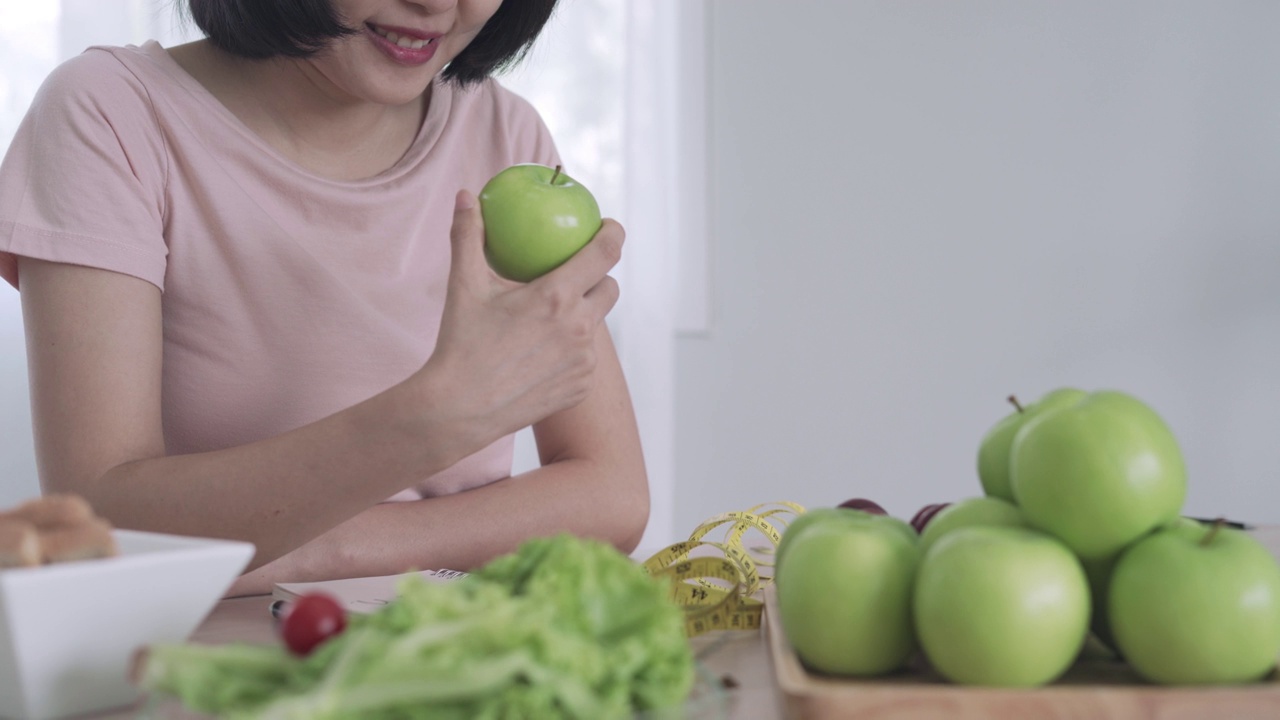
(299, 28)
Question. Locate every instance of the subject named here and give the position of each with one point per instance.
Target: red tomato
(310, 620)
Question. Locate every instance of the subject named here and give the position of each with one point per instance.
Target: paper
(360, 595)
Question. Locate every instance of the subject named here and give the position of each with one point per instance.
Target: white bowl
(68, 631)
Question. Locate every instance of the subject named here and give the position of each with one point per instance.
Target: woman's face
(400, 45)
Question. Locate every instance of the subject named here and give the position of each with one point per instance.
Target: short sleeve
(84, 180)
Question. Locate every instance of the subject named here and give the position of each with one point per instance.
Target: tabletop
(740, 658)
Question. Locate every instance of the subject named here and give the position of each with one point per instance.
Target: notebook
(360, 595)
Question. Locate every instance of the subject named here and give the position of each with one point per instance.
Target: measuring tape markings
(732, 605)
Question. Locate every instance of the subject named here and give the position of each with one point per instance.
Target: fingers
(602, 297)
(584, 270)
(466, 235)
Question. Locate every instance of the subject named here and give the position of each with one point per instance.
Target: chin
(398, 90)
(397, 99)
(391, 91)
(388, 88)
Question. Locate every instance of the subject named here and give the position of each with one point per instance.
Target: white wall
(921, 207)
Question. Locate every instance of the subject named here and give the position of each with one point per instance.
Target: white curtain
(618, 83)
(34, 38)
(621, 86)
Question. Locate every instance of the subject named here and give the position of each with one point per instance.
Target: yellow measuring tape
(719, 589)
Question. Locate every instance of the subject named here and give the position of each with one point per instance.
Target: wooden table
(742, 656)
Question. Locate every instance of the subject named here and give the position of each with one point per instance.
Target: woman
(257, 305)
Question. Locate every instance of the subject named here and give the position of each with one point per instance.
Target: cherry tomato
(310, 620)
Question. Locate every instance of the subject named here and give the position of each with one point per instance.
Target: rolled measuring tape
(718, 582)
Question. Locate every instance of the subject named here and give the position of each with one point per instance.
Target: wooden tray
(1098, 687)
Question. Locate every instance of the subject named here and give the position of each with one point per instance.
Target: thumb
(467, 233)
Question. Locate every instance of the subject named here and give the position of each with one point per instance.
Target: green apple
(894, 524)
(535, 218)
(844, 596)
(1098, 473)
(1185, 524)
(1001, 606)
(797, 526)
(968, 513)
(1192, 604)
(1099, 570)
(993, 451)
(818, 516)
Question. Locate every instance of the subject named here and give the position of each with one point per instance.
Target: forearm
(464, 530)
(506, 355)
(282, 492)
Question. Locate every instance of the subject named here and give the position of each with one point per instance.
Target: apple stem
(1014, 399)
(555, 175)
(1213, 531)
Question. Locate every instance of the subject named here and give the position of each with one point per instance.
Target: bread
(19, 544)
(52, 511)
(53, 529)
(86, 541)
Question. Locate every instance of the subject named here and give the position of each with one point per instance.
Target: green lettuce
(562, 628)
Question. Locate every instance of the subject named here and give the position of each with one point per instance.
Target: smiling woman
(588, 80)
(300, 29)
(257, 306)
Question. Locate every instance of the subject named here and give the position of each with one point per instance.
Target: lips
(405, 46)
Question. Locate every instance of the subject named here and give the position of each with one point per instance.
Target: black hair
(300, 28)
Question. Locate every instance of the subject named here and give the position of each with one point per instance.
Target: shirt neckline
(428, 133)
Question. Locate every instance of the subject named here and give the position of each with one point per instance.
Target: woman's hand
(508, 356)
(511, 354)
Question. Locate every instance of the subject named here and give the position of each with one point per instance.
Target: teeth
(402, 40)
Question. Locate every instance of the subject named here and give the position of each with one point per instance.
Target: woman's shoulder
(503, 121)
(490, 98)
(103, 78)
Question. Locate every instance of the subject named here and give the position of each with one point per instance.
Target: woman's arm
(592, 483)
(508, 355)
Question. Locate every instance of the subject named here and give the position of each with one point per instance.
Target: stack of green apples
(1079, 529)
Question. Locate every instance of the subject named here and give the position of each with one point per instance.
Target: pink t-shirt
(286, 296)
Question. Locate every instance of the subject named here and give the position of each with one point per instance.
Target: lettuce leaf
(564, 627)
